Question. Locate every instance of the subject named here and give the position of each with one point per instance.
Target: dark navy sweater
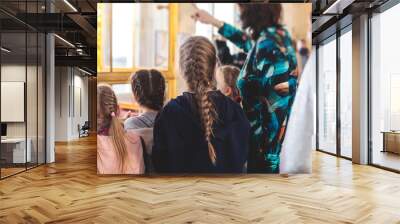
(180, 145)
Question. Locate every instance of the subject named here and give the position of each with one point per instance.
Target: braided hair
(197, 62)
(108, 120)
(148, 88)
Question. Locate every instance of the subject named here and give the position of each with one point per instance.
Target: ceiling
(74, 22)
(332, 15)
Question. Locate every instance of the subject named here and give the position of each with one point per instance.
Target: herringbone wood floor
(70, 191)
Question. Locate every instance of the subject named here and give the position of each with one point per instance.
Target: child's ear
(228, 91)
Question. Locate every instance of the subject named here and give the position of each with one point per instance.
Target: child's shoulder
(130, 123)
(132, 136)
(178, 102)
(220, 97)
(186, 101)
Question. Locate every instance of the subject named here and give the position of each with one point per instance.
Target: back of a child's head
(148, 88)
(108, 122)
(107, 104)
(230, 74)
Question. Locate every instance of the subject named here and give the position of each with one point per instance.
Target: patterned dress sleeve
(291, 52)
(265, 59)
(292, 84)
(236, 36)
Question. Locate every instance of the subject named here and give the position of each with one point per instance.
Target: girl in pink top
(118, 152)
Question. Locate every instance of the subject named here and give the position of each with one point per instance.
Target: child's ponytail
(109, 110)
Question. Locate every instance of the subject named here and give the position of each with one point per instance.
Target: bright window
(385, 87)
(346, 94)
(327, 97)
(226, 12)
(204, 29)
(135, 28)
(122, 35)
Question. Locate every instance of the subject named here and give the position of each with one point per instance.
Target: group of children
(204, 130)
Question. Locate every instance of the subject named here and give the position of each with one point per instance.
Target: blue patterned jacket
(271, 60)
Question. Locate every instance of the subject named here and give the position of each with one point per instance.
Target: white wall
(33, 126)
(80, 103)
(16, 73)
(71, 94)
(61, 103)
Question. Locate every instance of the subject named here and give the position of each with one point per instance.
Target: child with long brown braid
(202, 130)
(118, 151)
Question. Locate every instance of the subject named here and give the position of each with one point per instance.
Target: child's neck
(145, 110)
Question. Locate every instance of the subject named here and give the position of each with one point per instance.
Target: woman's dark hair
(258, 16)
(148, 87)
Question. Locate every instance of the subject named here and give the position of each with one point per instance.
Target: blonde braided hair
(197, 62)
(108, 111)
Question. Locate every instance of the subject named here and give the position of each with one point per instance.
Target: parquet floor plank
(70, 191)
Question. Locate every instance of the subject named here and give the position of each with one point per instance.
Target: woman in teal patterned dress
(267, 82)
